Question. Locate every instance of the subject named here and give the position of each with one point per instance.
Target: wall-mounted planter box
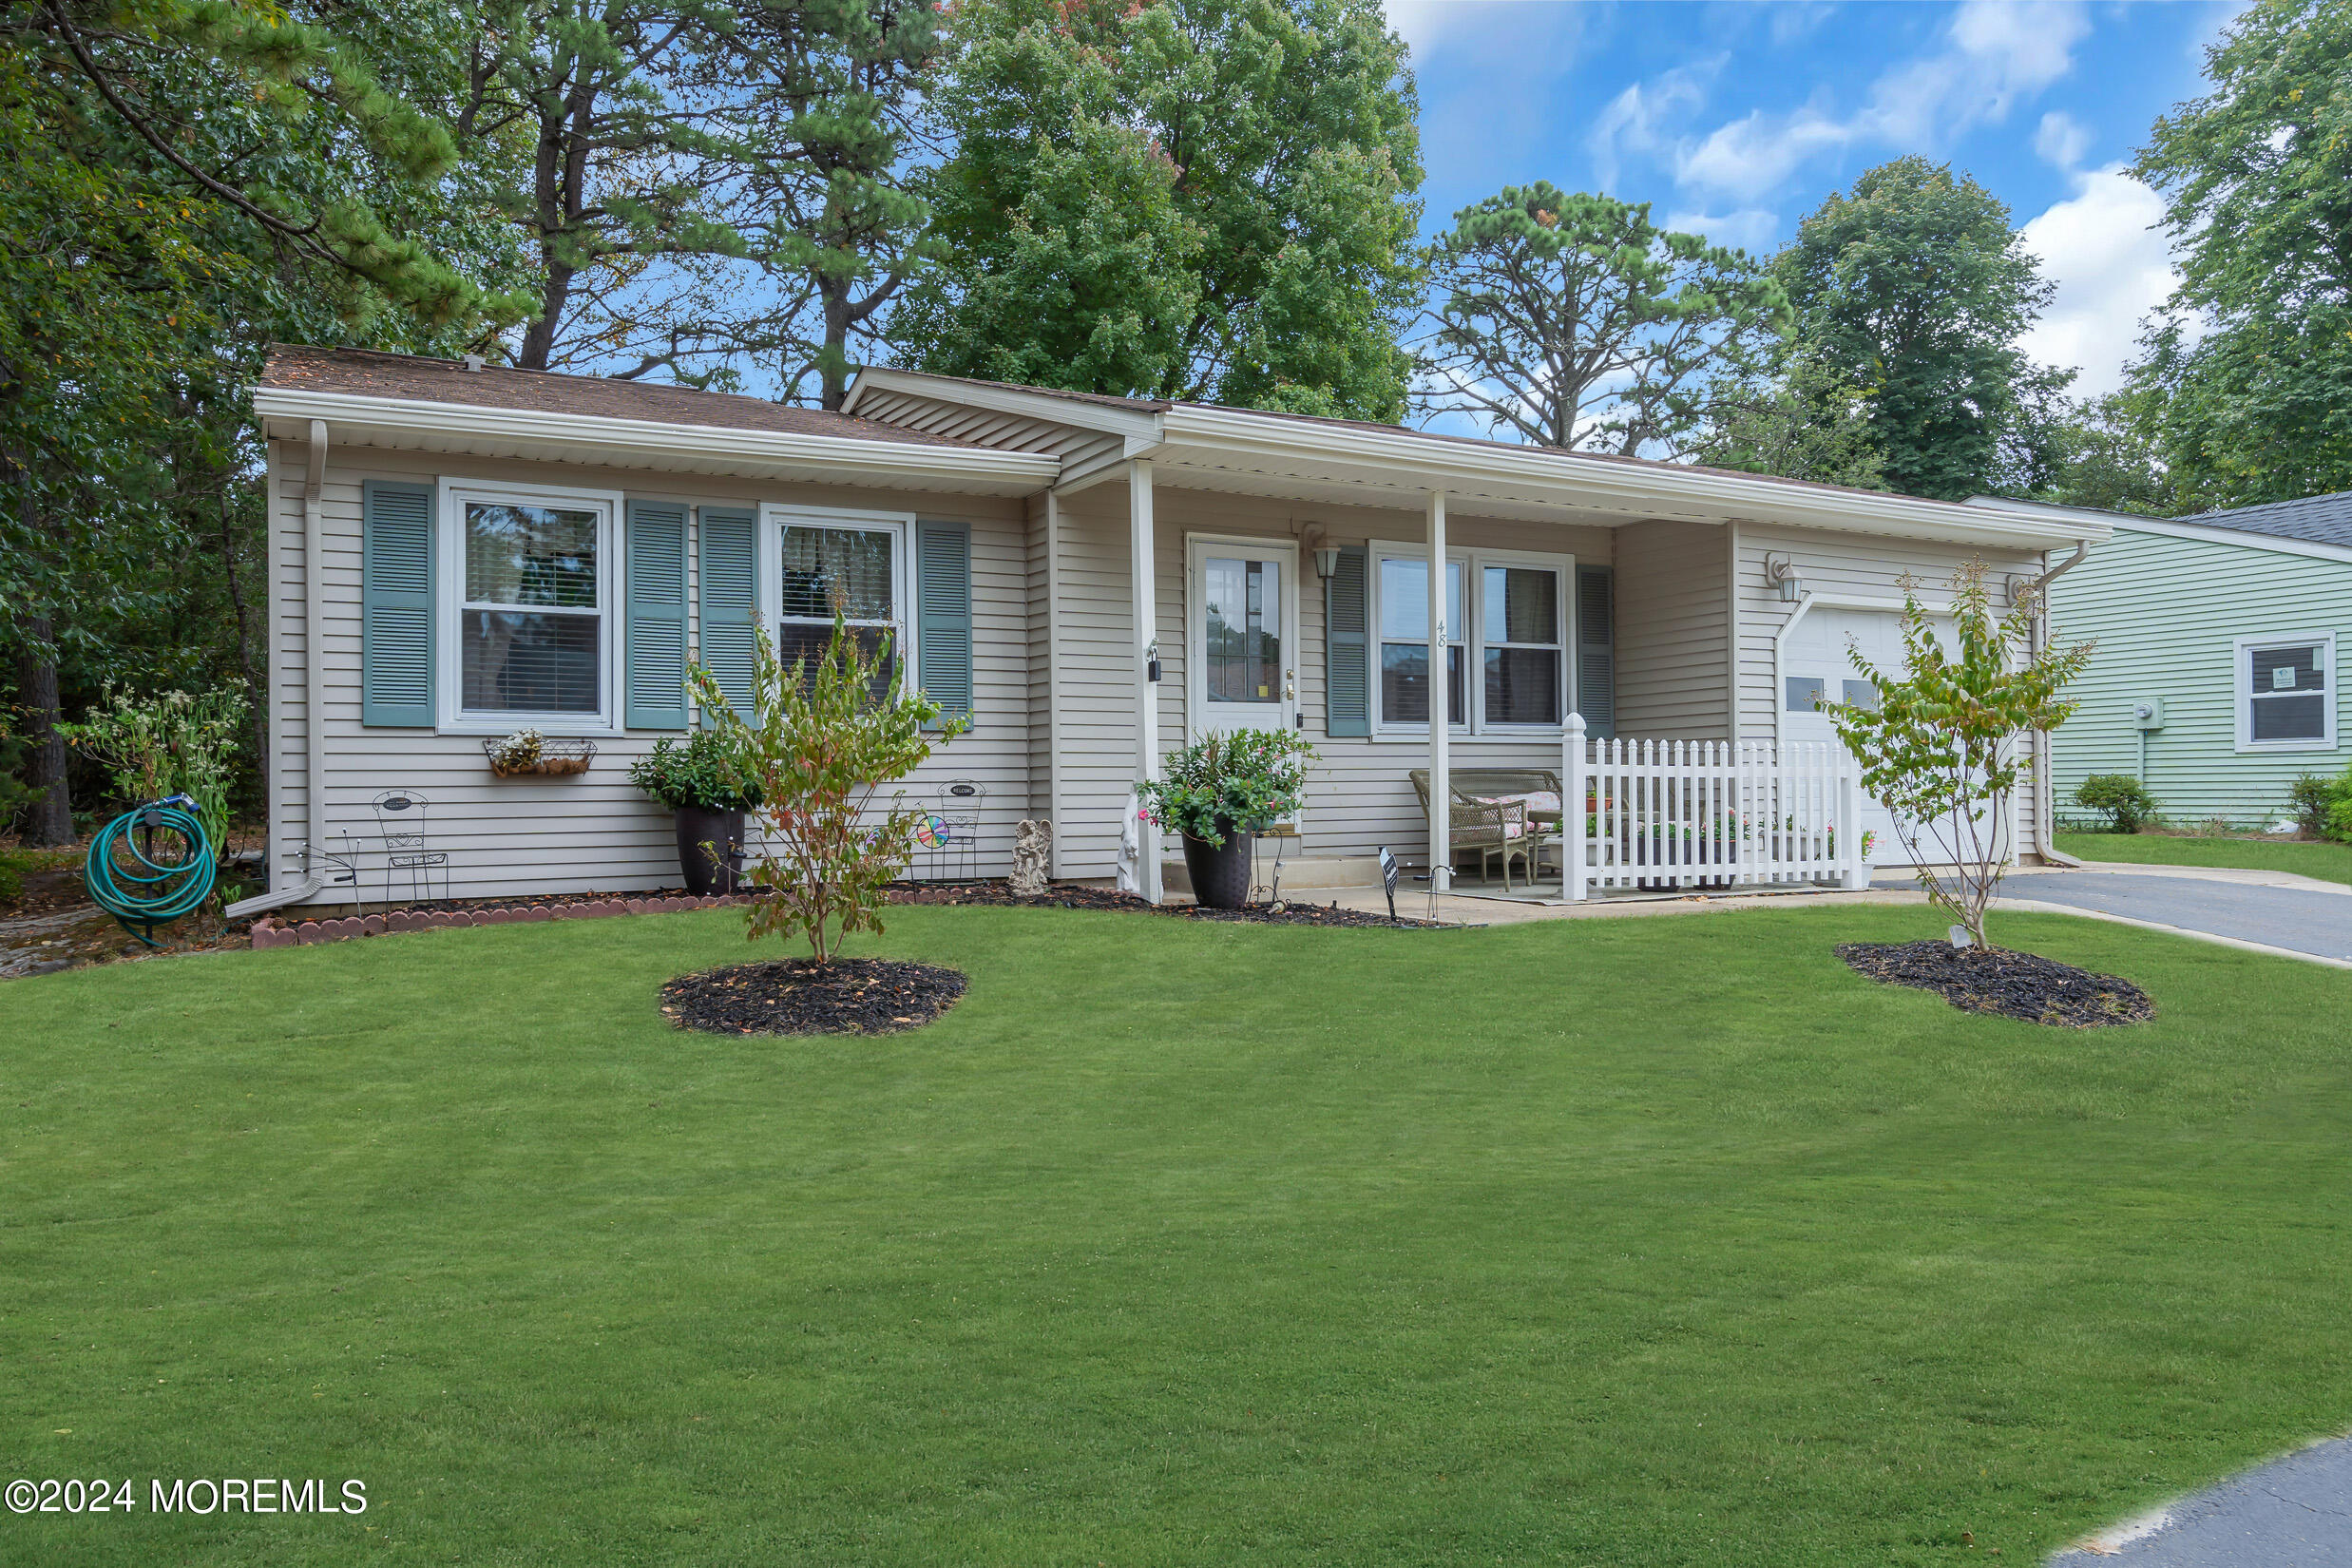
(556, 758)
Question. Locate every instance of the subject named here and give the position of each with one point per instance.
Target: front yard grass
(1644, 1241)
(2329, 861)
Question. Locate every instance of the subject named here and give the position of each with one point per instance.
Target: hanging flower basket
(527, 754)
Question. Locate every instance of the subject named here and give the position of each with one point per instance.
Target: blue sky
(1735, 119)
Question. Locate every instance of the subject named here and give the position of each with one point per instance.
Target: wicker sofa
(1497, 828)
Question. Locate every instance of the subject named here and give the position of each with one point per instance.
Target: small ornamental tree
(1941, 750)
(825, 734)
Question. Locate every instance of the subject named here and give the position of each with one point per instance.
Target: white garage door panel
(1818, 660)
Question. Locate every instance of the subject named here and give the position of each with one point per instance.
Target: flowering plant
(1245, 780)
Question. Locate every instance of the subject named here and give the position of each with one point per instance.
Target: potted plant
(698, 779)
(1219, 794)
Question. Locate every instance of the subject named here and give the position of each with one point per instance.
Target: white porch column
(1571, 811)
(1440, 789)
(1141, 590)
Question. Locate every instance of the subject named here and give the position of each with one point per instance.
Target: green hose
(143, 892)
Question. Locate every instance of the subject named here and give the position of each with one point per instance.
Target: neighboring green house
(2215, 679)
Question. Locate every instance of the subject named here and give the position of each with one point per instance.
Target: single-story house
(2215, 681)
(459, 550)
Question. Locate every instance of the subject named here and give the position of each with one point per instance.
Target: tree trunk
(50, 818)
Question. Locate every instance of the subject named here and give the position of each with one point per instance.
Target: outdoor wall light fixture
(1780, 571)
(1327, 560)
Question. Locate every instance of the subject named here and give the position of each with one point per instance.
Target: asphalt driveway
(2302, 919)
(2292, 1513)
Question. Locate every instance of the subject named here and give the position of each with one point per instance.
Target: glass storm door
(1243, 641)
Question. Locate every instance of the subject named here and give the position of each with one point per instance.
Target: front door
(1242, 635)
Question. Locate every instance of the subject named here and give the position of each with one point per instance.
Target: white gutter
(2045, 801)
(657, 443)
(314, 689)
(1465, 470)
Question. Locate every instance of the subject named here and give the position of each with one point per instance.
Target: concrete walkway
(2292, 1513)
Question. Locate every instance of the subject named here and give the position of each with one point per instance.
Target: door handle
(1289, 685)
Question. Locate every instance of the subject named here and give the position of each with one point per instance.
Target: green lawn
(1643, 1242)
(2329, 862)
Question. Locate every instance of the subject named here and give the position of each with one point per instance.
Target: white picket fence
(1699, 813)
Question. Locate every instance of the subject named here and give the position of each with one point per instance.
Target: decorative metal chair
(400, 817)
(954, 826)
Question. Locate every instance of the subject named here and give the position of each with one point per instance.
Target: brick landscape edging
(269, 933)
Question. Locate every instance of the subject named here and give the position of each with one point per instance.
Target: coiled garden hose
(140, 890)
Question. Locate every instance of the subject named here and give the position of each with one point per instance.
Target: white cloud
(1642, 119)
(2112, 269)
(1994, 53)
(1751, 229)
(2062, 138)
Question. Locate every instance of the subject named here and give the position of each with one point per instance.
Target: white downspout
(2045, 803)
(313, 692)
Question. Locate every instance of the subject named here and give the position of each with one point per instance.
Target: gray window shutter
(1346, 657)
(395, 603)
(943, 613)
(728, 559)
(1597, 633)
(656, 616)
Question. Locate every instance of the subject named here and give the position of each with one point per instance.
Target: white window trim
(611, 595)
(1472, 560)
(775, 517)
(2243, 683)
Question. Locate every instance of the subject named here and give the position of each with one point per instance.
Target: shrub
(701, 772)
(173, 744)
(823, 736)
(1247, 780)
(2124, 798)
(2310, 797)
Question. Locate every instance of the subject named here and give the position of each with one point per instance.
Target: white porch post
(1441, 787)
(1147, 693)
(1571, 811)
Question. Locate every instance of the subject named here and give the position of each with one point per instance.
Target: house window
(1506, 630)
(1523, 633)
(2287, 696)
(840, 567)
(1241, 639)
(534, 588)
(1404, 641)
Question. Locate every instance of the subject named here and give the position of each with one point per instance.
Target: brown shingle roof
(365, 373)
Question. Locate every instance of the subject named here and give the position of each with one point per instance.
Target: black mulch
(2014, 984)
(800, 996)
(1072, 897)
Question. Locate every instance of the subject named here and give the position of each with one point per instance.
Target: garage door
(1816, 663)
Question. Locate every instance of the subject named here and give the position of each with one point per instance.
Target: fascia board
(634, 440)
(1444, 465)
(2206, 533)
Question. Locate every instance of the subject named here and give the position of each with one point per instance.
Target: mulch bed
(1000, 894)
(2014, 984)
(800, 996)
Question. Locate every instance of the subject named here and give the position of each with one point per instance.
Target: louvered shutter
(728, 556)
(395, 605)
(656, 616)
(943, 613)
(1597, 631)
(1347, 655)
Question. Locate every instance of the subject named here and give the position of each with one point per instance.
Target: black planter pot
(1220, 875)
(696, 828)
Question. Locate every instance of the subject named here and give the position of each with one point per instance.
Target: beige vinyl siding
(592, 831)
(1673, 630)
(1359, 795)
(1847, 565)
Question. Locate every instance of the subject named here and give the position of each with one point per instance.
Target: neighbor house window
(535, 588)
(1507, 639)
(2287, 692)
(857, 569)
